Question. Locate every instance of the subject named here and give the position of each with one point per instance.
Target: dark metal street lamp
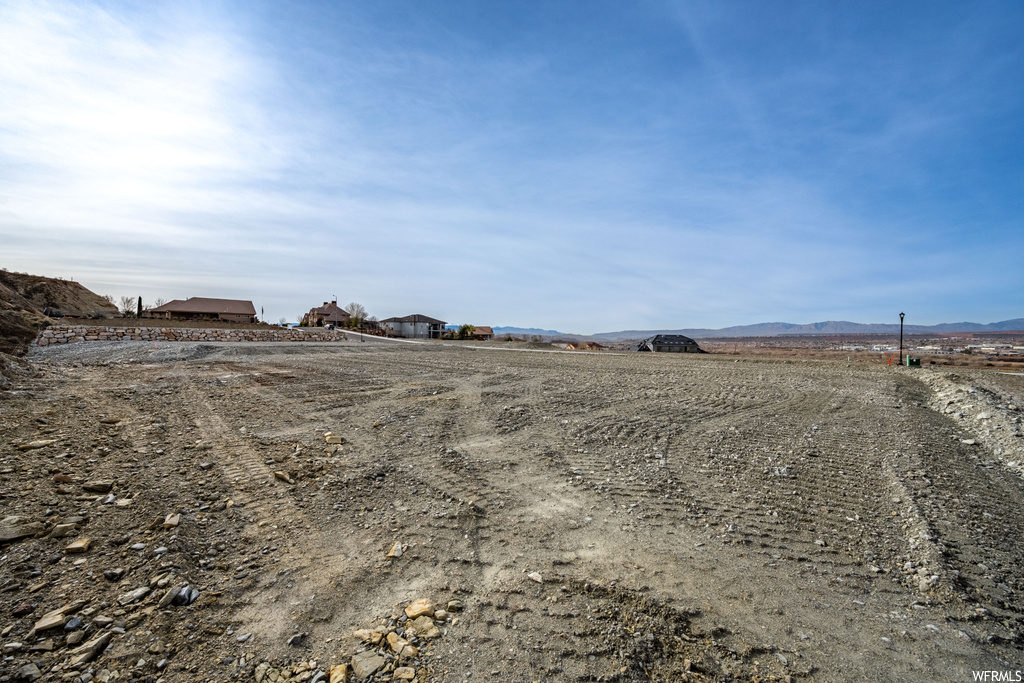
(901, 338)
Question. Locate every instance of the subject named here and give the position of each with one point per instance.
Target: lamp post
(901, 338)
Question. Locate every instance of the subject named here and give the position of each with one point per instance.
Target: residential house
(414, 326)
(201, 308)
(328, 314)
(483, 333)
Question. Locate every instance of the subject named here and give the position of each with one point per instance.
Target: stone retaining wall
(67, 334)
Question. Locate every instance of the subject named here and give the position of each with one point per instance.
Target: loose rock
(79, 546)
(366, 663)
(419, 608)
(32, 445)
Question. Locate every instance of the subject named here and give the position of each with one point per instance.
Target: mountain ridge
(779, 329)
(527, 330)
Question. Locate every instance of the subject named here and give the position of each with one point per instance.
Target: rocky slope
(25, 301)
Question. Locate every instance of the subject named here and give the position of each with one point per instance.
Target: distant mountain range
(528, 331)
(779, 329)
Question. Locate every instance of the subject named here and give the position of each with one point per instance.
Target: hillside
(24, 298)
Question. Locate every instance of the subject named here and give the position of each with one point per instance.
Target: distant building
(414, 326)
(483, 332)
(328, 314)
(670, 343)
(200, 308)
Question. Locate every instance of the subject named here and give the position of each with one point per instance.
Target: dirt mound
(34, 292)
(27, 300)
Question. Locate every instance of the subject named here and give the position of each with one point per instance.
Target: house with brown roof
(483, 332)
(202, 308)
(328, 314)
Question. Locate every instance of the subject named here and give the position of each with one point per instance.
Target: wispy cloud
(699, 165)
(103, 121)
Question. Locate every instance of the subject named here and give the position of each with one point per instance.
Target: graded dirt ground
(600, 517)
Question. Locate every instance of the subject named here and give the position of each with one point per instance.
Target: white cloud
(104, 126)
(175, 152)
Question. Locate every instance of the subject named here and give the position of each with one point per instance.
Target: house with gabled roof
(202, 308)
(483, 332)
(328, 314)
(414, 326)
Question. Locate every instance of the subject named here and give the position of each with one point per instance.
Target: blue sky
(582, 166)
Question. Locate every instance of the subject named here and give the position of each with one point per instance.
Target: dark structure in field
(670, 343)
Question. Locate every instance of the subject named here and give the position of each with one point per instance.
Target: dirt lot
(599, 517)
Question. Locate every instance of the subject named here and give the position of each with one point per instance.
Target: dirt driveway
(574, 517)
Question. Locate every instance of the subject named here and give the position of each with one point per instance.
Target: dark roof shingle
(414, 318)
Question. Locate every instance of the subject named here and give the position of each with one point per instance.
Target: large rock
(13, 533)
(29, 672)
(79, 546)
(425, 627)
(63, 531)
(367, 636)
(86, 653)
(366, 663)
(419, 608)
(169, 596)
(50, 620)
(401, 646)
(133, 596)
(32, 445)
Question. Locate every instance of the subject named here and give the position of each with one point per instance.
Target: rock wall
(68, 334)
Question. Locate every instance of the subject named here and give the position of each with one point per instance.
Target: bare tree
(357, 313)
(127, 306)
(283, 322)
(157, 303)
(356, 310)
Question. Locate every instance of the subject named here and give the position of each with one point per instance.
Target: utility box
(913, 362)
